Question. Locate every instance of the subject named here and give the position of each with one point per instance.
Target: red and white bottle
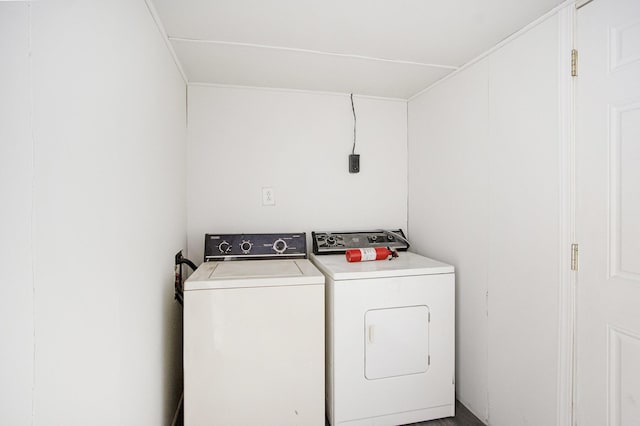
(370, 253)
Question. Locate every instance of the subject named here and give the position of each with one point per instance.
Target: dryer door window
(396, 341)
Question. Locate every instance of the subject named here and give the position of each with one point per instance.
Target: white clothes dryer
(254, 334)
(390, 356)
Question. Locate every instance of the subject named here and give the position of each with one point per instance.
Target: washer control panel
(254, 246)
(339, 242)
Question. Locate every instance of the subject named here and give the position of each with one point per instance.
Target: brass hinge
(574, 257)
(574, 62)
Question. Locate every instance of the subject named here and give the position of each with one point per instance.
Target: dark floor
(463, 417)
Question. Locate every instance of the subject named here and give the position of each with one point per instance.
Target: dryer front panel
(392, 349)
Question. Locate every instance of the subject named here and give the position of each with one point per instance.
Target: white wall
(243, 139)
(16, 175)
(484, 194)
(524, 229)
(106, 154)
(449, 209)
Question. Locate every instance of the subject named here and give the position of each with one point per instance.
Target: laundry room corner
(297, 143)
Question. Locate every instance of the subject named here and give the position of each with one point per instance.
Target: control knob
(280, 245)
(224, 247)
(246, 246)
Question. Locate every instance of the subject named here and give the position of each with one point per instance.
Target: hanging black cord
(353, 150)
(178, 285)
(187, 262)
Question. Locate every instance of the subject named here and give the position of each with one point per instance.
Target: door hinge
(574, 63)
(574, 257)
(429, 317)
(428, 359)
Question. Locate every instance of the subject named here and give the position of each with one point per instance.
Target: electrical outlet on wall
(268, 196)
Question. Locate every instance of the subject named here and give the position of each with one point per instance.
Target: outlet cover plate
(268, 196)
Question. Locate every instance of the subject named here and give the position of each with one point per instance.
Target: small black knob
(280, 245)
(224, 247)
(246, 246)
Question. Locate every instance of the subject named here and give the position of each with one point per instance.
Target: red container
(371, 253)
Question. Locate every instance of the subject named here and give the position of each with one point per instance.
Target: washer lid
(253, 273)
(335, 266)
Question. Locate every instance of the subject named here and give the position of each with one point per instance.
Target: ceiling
(387, 48)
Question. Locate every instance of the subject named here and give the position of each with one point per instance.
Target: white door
(608, 213)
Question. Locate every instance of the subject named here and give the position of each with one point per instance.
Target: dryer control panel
(254, 246)
(339, 242)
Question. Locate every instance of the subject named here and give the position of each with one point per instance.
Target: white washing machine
(254, 334)
(390, 335)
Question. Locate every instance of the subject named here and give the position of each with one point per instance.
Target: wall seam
(33, 201)
(488, 241)
(407, 164)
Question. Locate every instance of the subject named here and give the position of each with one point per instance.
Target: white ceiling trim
(285, 89)
(316, 52)
(580, 3)
(163, 32)
(498, 46)
(246, 65)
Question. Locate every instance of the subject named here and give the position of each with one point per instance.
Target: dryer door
(396, 341)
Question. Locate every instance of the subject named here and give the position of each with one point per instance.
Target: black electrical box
(354, 163)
